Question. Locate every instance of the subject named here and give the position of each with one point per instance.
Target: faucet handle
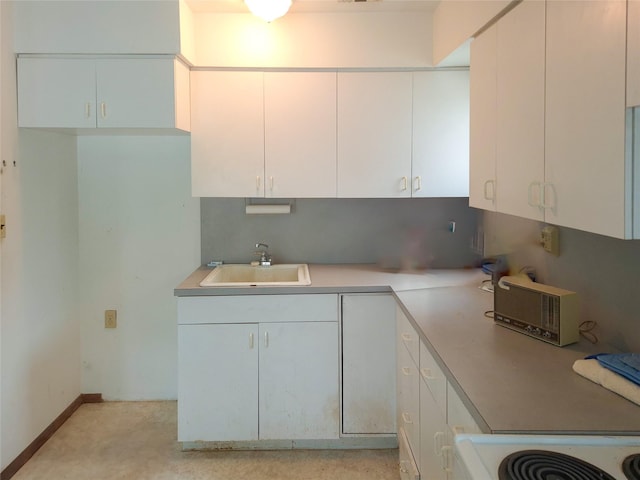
(262, 245)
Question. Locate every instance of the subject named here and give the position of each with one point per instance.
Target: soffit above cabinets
(318, 6)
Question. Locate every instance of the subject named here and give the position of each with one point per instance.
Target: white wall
(40, 329)
(97, 26)
(139, 237)
(455, 21)
(324, 40)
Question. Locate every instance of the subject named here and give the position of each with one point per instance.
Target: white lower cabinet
(368, 364)
(408, 398)
(433, 436)
(408, 467)
(298, 372)
(434, 431)
(218, 382)
(430, 411)
(459, 418)
(408, 381)
(258, 378)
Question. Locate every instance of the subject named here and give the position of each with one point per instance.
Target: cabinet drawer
(407, 335)
(458, 417)
(258, 308)
(408, 467)
(433, 377)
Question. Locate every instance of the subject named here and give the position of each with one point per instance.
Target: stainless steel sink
(242, 275)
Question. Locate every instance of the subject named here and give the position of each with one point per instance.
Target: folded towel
(625, 364)
(591, 369)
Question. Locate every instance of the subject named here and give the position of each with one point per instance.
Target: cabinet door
(300, 134)
(459, 418)
(299, 381)
(368, 364)
(633, 53)
(585, 116)
(440, 163)
(520, 110)
(374, 134)
(433, 436)
(408, 397)
(56, 93)
(136, 93)
(227, 134)
(218, 382)
(482, 124)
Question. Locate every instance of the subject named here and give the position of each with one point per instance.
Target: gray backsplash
(602, 270)
(395, 233)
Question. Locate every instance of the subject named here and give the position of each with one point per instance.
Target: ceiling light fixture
(268, 10)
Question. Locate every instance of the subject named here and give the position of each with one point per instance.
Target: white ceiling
(347, 6)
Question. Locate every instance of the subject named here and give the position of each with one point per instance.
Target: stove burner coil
(631, 467)
(547, 465)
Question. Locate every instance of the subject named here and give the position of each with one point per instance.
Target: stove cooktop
(546, 457)
(546, 464)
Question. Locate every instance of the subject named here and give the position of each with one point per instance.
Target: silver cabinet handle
(266, 339)
(251, 340)
(87, 109)
(103, 109)
(404, 184)
(418, 183)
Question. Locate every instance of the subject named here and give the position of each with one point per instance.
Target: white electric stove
(551, 457)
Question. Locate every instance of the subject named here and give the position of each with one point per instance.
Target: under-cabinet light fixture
(268, 10)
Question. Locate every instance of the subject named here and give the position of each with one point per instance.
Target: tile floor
(137, 440)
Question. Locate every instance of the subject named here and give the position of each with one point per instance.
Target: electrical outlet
(549, 239)
(110, 318)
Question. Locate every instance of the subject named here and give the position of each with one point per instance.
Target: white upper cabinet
(561, 137)
(585, 163)
(258, 134)
(507, 113)
(520, 61)
(328, 134)
(374, 134)
(633, 53)
(103, 93)
(482, 124)
(440, 157)
(56, 93)
(227, 134)
(300, 134)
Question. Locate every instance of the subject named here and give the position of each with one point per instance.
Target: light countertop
(341, 279)
(511, 383)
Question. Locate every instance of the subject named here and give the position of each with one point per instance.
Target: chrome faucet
(265, 258)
